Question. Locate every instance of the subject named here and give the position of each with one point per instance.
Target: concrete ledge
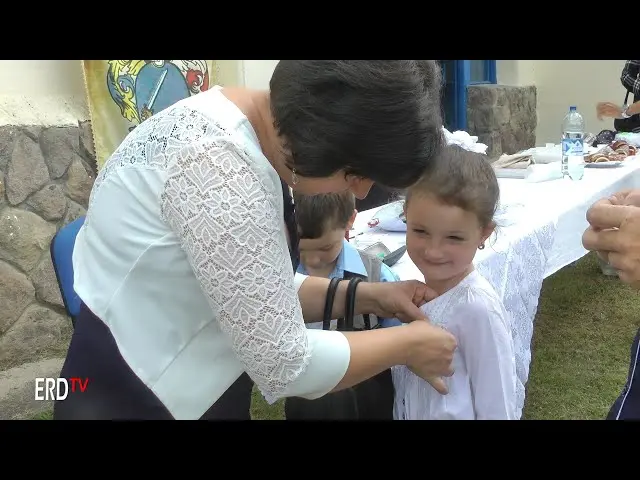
(46, 111)
(17, 389)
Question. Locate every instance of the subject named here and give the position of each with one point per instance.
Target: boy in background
(322, 221)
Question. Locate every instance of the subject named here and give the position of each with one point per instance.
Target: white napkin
(544, 172)
(548, 154)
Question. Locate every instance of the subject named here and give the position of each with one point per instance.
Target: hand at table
(608, 109)
(614, 233)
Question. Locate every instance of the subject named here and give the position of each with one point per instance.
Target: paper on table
(391, 240)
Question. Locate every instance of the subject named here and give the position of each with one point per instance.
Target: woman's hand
(432, 353)
(425, 349)
(401, 300)
(608, 109)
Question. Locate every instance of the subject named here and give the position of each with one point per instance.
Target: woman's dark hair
(462, 179)
(377, 119)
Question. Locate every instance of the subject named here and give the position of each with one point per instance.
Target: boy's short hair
(316, 214)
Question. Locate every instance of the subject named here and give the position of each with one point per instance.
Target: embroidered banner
(123, 93)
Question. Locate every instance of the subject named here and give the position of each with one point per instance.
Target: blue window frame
(458, 75)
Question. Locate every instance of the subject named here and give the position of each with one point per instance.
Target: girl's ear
(488, 231)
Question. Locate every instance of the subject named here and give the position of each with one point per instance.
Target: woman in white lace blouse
(183, 264)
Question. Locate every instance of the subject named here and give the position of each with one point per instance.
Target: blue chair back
(61, 255)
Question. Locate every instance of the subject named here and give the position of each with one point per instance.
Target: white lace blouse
(485, 385)
(183, 256)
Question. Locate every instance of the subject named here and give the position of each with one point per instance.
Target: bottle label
(572, 147)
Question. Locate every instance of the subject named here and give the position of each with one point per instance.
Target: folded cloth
(514, 161)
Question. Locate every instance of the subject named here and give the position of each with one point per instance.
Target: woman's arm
(312, 293)
(611, 110)
(634, 108)
(229, 224)
(385, 299)
(373, 351)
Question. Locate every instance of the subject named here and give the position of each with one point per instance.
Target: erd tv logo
(59, 388)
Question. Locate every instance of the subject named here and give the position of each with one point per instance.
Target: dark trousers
(115, 392)
(369, 400)
(627, 405)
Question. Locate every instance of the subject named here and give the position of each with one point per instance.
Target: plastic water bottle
(573, 145)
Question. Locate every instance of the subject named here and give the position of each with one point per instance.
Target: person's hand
(614, 232)
(608, 109)
(433, 347)
(624, 197)
(401, 300)
(432, 353)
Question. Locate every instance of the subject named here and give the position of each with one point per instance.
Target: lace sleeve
(230, 225)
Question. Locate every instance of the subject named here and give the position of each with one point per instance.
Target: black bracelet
(328, 304)
(350, 303)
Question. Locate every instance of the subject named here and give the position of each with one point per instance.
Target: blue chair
(61, 249)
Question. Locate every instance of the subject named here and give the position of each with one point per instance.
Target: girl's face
(442, 240)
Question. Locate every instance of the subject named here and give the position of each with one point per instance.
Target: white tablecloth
(540, 227)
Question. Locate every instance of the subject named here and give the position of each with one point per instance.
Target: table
(540, 227)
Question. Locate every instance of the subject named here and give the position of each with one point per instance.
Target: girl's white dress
(485, 385)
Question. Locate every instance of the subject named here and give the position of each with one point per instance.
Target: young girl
(449, 215)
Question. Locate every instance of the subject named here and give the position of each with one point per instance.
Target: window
(481, 71)
(457, 76)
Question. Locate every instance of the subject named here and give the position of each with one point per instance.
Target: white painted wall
(257, 73)
(562, 83)
(41, 77)
(35, 78)
(583, 83)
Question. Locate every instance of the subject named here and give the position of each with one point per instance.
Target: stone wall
(502, 117)
(46, 175)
